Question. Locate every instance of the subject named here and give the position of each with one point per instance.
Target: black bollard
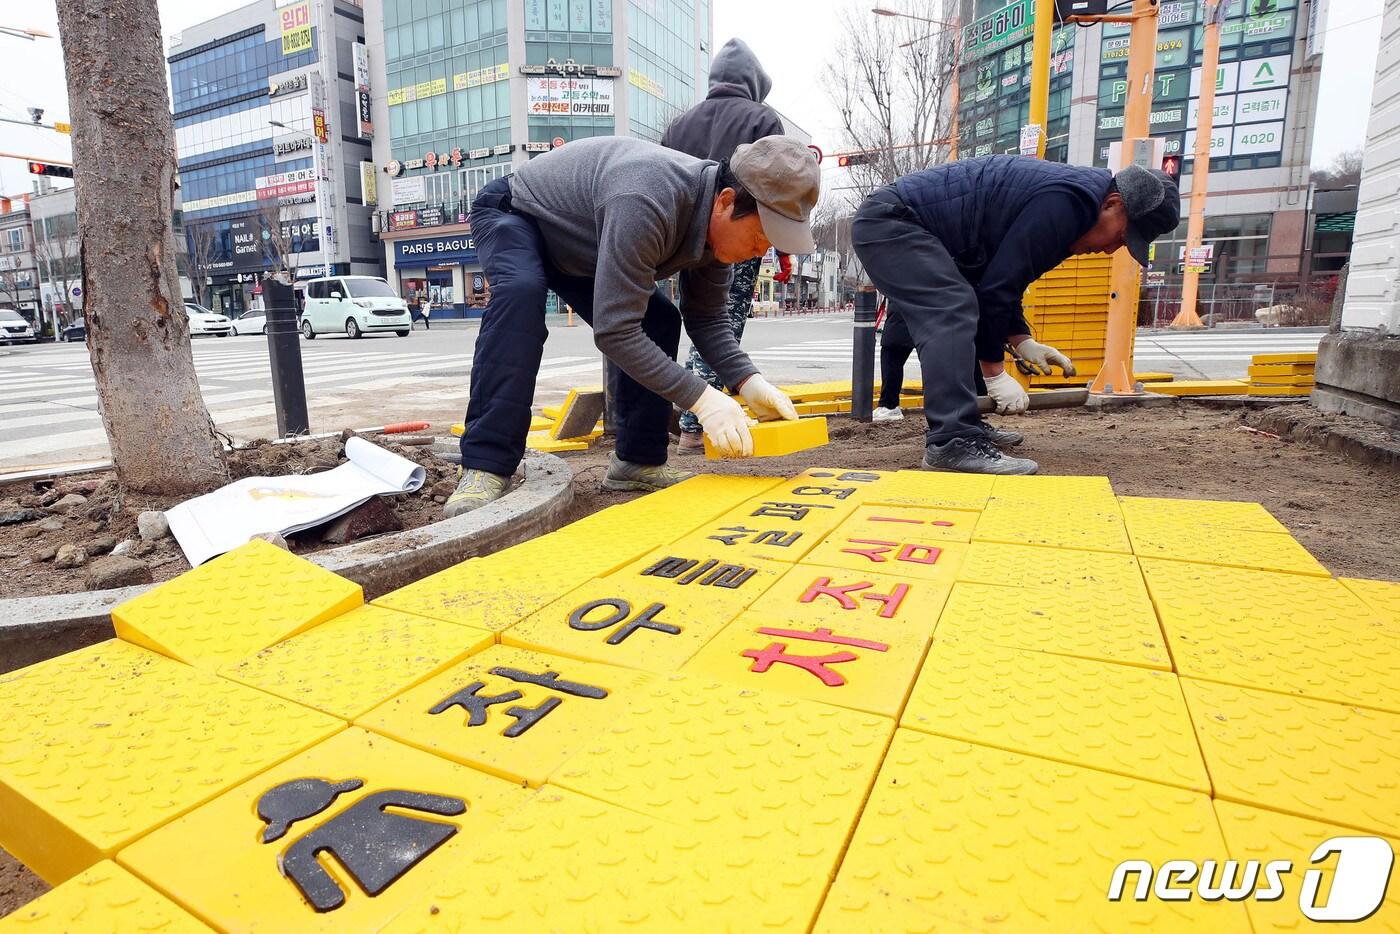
(863, 358)
(284, 352)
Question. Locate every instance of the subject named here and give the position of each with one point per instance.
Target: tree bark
(161, 435)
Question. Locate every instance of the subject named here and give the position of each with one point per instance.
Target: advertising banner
(578, 97)
(296, 27)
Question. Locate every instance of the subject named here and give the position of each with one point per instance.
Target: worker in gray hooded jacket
(601, 221)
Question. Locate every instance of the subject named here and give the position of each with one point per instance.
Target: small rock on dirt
(115, 571)
(152, 525)
(28, 532)
(272, 538)
(67, 502)
(124, 547)
(16, 516)
(444, 488)
(47, 553)
(70, 556)
(80, 486)
(439, 499)
(372, 518)
(101, 545)
(51, 524)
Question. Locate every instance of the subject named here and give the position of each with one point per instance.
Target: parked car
(252, 321)
(14, 327)
(204, 321)
(353, 306)
(77, 331)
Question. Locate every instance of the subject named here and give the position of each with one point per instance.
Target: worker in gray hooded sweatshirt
(601, 221)
(732, 113)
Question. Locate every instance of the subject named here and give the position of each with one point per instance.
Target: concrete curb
(35, 628)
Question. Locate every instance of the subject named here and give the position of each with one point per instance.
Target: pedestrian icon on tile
(375, 846)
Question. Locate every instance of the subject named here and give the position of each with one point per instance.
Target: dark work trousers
(922, 283)
(510, 344)
(896, 344)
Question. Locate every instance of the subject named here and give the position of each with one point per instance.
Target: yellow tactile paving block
(632, 623)
(339, 838)
(1311, 758)
(1266, 836)
(101, 745)
(348, 665)
(545, 442)
(1099, 621)
(776, 511)
(1202, 387)
(933, 490)
(1073, 492)
(1114, 718)
(780, 438)
(963, 837)
(511, 712)
(745, 538)
(103, 899)
(911, 523)
(1062, 569)
(1147, 514)
(1296, 359)
(1298, 635)
(706, 578)
(890, 554)
(832, 597)
(1381, 596)
(566, 862)
(764, 776)
(238, 603)
(864, 664)
(1054, 524)
(828, 484)
(1263, 551)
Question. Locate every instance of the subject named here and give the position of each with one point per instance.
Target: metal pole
(1200, 167)
(1116, 377)
(284, 353)
(1040, 72)
(863, 358)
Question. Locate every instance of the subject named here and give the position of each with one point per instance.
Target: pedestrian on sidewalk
(599, 222)
(427, 312)
(954, 247)
(732, 113)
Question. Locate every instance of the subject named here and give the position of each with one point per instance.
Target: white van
(353, 306)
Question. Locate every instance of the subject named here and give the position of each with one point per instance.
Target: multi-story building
(271, 141)
(469, 89)
(53, 214)
(19, 274)
(1261, 140)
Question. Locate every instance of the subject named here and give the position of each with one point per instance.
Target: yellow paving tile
(703, 577)
(933, 490)
(632, 623)
(780, 438)
(1062, 569)
(1115, 718)
(865, 664)
(565, 862)
(962, 837)
(1299, 756)
(773, 510)
(1297, 359)
(238, 603)
(1202, 387)
(889, 554)
(1076, 493)
(104, 899)
(544, 441)
(743, 539)
(1095, 621)
(309, 845)
(100, 745)
(1381, 596)
(1265, 836)
(911, 523)
(1147, 514)
(1264, 551)
(350, 664)
(833, 484)
(508, 711)
(815, 596)
(1053, 523)
(1281, 632)
(769, 778)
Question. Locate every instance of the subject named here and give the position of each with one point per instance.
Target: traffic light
(855, 158)
(1171, 166)
(48, 168)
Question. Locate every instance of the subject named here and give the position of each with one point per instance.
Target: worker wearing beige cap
(600, 221)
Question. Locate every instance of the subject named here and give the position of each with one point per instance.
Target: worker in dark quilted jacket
(954, 247)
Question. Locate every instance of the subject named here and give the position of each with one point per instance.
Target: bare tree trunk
(162, 438)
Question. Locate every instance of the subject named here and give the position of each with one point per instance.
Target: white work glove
(765, 400)
(1010, 396)
(1041, 356)
(724, 422)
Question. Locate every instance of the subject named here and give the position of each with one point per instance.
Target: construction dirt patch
(1342, 511)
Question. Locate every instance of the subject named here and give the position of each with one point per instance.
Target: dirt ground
(1342, 511)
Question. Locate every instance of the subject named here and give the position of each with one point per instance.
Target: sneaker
(475, 489)
(1001, 437)
(975, 455)
(692, 442)
(625, 477)
(888, 415)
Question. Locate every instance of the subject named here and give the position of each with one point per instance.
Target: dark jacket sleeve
(1038, 240)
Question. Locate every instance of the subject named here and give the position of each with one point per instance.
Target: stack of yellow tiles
(1282, 374)
(1068, 308)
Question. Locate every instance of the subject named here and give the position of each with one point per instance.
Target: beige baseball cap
(783, 176)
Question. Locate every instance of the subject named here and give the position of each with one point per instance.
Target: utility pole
(1200, 168)
(1040, 75)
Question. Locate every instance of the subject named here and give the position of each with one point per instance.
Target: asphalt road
(49, 409)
